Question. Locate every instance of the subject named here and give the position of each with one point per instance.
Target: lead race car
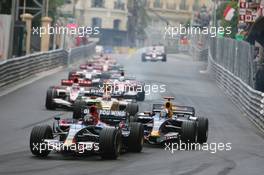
(154, 53)
(87, 134)
(168, 122)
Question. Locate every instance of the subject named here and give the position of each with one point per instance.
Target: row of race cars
(106, 118)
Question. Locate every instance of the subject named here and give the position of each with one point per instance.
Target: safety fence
(16, 69)
(199, 47)
(231, 64)
(235, 56)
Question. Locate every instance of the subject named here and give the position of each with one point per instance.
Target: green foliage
(137, 20)
(53, 4)
(53, 13)
(233, 23)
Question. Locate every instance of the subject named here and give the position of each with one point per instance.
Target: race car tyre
(110, 143)
(132, 108)
(143, 57)
(38, 134)
(133, 118)
(188, 132)
(70, 75)
(164, 59)
(49, 98)
(136, 137)
(141, 96)
(202, 129)
(105, 75)
(78, 109)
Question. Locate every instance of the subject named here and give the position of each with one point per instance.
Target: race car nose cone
(155, 133)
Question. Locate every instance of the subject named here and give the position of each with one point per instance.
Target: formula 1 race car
(79, 82)
(155, 53)
(96, 77)
(104, 103)
(65, 96)
(168, 122)
(103, 63)
(85, 135)
(93, 77)
(126, 88)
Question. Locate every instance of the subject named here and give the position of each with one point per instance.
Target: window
(98, 3)
(96, 22)
(171, 6)
(117, 24)
(119, 4)
(157, 4)
(183, 5)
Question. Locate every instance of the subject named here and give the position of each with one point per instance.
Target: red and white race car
(65, 96)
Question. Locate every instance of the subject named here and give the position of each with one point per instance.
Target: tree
(137, 20)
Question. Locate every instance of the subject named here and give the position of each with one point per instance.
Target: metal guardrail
(198, 54)
(78, 53)
(17, 69)
(199, 47)
(248, 100)
(231, 64)
(235, 56)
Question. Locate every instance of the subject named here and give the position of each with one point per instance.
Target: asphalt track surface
(24, 108)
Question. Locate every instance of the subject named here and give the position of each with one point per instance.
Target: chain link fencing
(235, 56)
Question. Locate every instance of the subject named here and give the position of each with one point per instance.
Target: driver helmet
(75, 84)
(164, 113)
(106, 97)
(93, 117)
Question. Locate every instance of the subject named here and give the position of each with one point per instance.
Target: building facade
(109, 15)
(174, 11)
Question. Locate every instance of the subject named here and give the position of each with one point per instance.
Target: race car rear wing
(112, 117)
(177, 109)
(83, 83)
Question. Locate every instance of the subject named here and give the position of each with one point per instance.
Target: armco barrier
(78, 53)
(17, 69)
(249, 101)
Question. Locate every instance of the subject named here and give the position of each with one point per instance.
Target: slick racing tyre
(133, 118)
(37, 136)
(141, 96)
(164, 59)
(188, 131)
(132, 108)
(70, 75)
(136, 137)
(110, 143)
(51, 94)
(143, 57)
(202, 129)
(78, 109)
